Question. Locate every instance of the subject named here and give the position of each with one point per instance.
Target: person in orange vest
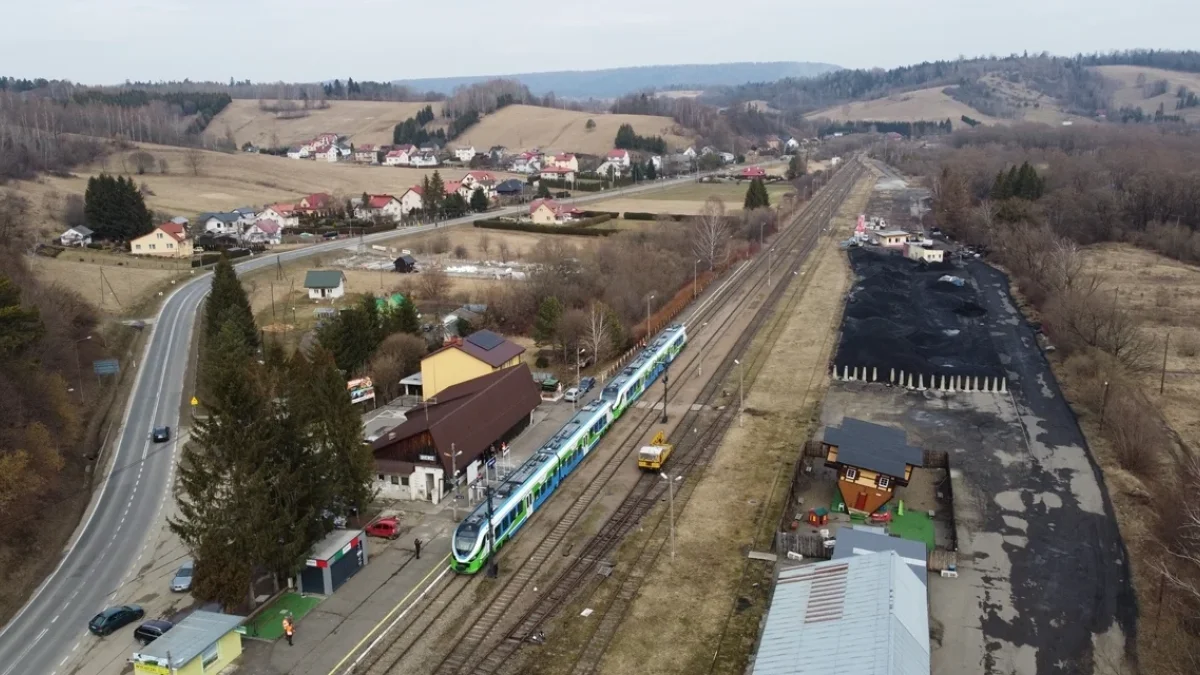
(289, 628)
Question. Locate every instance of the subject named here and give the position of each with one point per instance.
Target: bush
(541, 362)
(440, 244)
(583, 230)
(460, 252)
(594, 220)
(593, 214)
(1188, 344)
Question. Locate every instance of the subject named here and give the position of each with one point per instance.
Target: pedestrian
(289, 628)
(417, 545)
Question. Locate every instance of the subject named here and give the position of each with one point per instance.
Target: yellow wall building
(477, 355)
(204, 643)
(168, 240)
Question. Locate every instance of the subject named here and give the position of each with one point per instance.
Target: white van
(572, 395)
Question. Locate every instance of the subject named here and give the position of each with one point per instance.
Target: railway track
(799, 237)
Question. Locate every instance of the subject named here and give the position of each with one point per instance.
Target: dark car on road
(161, 434)
(586, 384)
(113, 618)
(151, 630)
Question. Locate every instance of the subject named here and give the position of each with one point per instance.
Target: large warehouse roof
(864, 615)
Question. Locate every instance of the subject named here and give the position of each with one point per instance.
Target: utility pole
(648, 299)
(666, 383)
(696, 279)
(1162, 383)
(453, 476)
(742, 391)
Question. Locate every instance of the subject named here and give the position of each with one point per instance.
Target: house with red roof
(284, 214)
(564, 161)
(412, 200)
(562, 173)
(169, 240)
(264, 231)
(479, 178)
(550, 212)
(380, 206)
(400, 155)
(316, 202)
(366, 153)
(751, 172)
(618, 157)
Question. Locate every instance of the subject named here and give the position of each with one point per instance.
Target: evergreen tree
(545, 326)
(435, 195)
(651, 172)
(454, 206)
(543, 191)
(352, 336)
(1000, 188)
(797, 166)
(115, 208)
(227, 301)
(756, 195)
(479, 200)
(616, 330)
(406, 319)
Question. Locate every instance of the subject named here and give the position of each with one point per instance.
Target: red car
(384, 528)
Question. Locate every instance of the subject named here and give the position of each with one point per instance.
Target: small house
(284, 214)
(792, 144)
(203, 642)
(559, 173)
(366, 154)
(511, 188)
(871, 460)
(169, 240)
(406, 264)
(325, 284)
(465, 154)
(620, 157)
(400, 155)
(480, 353)
(727, 157)
(298, 152)
(412, 200)
(891, 238)
(80, 235)
(380, 206)
(690, 153)
(550, 212)
(316, 202)
(925, 254)
(609, 167)
(264, 231)
(424, 158)
(565, 160)
(221, 223)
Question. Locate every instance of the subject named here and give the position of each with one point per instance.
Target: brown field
(526, 126)
(362, 121)
(1131, 95)
(912, 106)
(128, 289)
(1047, 110)
(229, 180)
(688, 198)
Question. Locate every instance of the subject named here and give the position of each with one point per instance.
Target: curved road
(40, 638)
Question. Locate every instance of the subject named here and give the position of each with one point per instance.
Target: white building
(380, 206)
(411, 200)
(285, 214)
(330, 154)
(424, 158)
(80, 235)
(264, 231)
(620, 157)
(609, 165)
(465, 154)
(325, 284)
(299, 152)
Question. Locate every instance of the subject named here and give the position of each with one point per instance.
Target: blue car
(586, 384)
(113, 618)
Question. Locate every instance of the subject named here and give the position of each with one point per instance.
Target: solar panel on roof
(485, 339)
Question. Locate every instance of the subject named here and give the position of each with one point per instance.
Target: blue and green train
(525, 490)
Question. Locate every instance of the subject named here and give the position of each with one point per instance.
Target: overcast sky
(109, 41)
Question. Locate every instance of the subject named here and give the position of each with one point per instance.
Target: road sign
(195, 401)
(491, 461)
(106, 367)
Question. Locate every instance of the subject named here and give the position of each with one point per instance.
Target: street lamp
(700, 358)
(578, 357)
(78, 370)
(453, 455)
(671, 505)
(648, 299)
(741, 390)
(666, 383)
(695, 279)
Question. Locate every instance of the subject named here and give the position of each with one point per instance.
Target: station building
(476, 355)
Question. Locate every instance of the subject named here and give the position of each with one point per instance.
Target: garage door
(345, 567)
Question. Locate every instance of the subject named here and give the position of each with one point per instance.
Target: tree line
(275, 461)
(907, 129)
(114, 208)
(412, 130)
(628, 139)
(204, 105)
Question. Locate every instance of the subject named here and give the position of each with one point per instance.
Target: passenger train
(525, 490)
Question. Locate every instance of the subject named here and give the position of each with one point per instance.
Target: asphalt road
(42, 636)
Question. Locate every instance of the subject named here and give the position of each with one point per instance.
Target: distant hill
(614, 82)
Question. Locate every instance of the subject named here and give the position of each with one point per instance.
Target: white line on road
(55, 618)
(395, 621)
(75, 647)
(40, 635)
(63, 662)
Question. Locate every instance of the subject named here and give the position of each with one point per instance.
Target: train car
(527, 488)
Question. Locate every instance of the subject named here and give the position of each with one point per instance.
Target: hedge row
(589, 221)
(593, 214)
(207, 259)
(642, 215)
(582, 230)
(343, 229)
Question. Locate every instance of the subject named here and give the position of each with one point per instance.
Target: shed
(871, 460)
(336, 558)
(325, 284)
(866, 615)
(864, 539)
(891, 238)
(204, 642)
(405, 264)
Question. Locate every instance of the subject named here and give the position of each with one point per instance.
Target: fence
(802, 543)
(922, 381)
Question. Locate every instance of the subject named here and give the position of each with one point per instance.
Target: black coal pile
(900, 315)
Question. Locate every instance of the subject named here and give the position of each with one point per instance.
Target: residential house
(452, 433)
(774, 142)
(169, 240)
(620, 157)
(285, 214)
(498, 153)
(690, 153)
(400, 155)
(202, 642)
(325, 284)
(80, 235)
(405, 264)
(792, 144)
(728, 158)
(465, 154)
(411, 200)
(299, 152)
(331, 153)
(246, 216)
(834, 161)
(564, 161)
(483, 179)
(752, 172)
(609, 166)
(526, 162)
(550, 212)
(707, 150)
(871, 460)
(264, 231)
(424, 158)
(380, 206)
(318, 202)
(561, 173)
(657, 161)
(480, 353)
(432, 145)
(221, 223)
(366, 154)
(513, 187)
(180, 220)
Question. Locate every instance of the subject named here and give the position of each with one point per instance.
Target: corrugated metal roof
(865, 615)
(863, 539)
(873, 447)
(189, 637)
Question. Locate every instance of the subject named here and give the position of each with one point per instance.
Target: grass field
(688, 198)
(362, 121)
(912, 106)
(526, 126)
(122, 289)
(1130, 94)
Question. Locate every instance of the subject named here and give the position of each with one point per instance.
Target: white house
(616, 168)
(330, 154)
(221, 223)
(479, 178)
(465, 154)
(619, 157)
(657, 161)
(423, 158)
(246, 216)
(366, 154)
(285, 214)
(690, 153)
(525, 164)
(325, 284)
(728, 158)
(564, 161)
(400, 155)
(558, 173)
(264, 231)
(792, 144)
(380, 206)
(299, 152)
(80, 235)
(411, 200)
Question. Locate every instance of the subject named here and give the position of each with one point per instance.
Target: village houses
(564, 161)
(562, 173)
(424, 158)
(80, 235)
(400, 155)
(379, 206)
(284, 214)
(266, 232)
(366, 154)
(550, 212)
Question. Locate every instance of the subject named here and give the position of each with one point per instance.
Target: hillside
(1130, 93)
(913, 106)
(526, 126)
(362, 121)
(614, 82)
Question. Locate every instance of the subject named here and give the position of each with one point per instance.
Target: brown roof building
(465, 419)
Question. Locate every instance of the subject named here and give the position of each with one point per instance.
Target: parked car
(182, 581)
(586, 384)
(384, 528)
(572, 395)
(113, 618)
(151, 630)
(161, 434)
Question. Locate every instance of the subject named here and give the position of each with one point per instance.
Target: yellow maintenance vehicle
(653, 456)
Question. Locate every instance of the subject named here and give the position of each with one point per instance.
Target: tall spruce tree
(435, 195)
(228, 302)
(479, 201)
(756, 195)
(651, 172)
(545, 326)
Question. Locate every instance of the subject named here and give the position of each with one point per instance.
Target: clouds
(308, 40)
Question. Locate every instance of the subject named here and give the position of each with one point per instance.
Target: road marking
(400, 604)
(75, 647)
(63, 662)
(40, 635)
(55, 618)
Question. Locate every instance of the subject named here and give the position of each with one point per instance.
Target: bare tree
(142, 161)
(710, 233)
(435, 285)
(163, 166)
(73, 210)
(14, 208)
(1095, 320)
(572, 334)
(194, 159)
(503, 248)
(485, 244)
(599, 333)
